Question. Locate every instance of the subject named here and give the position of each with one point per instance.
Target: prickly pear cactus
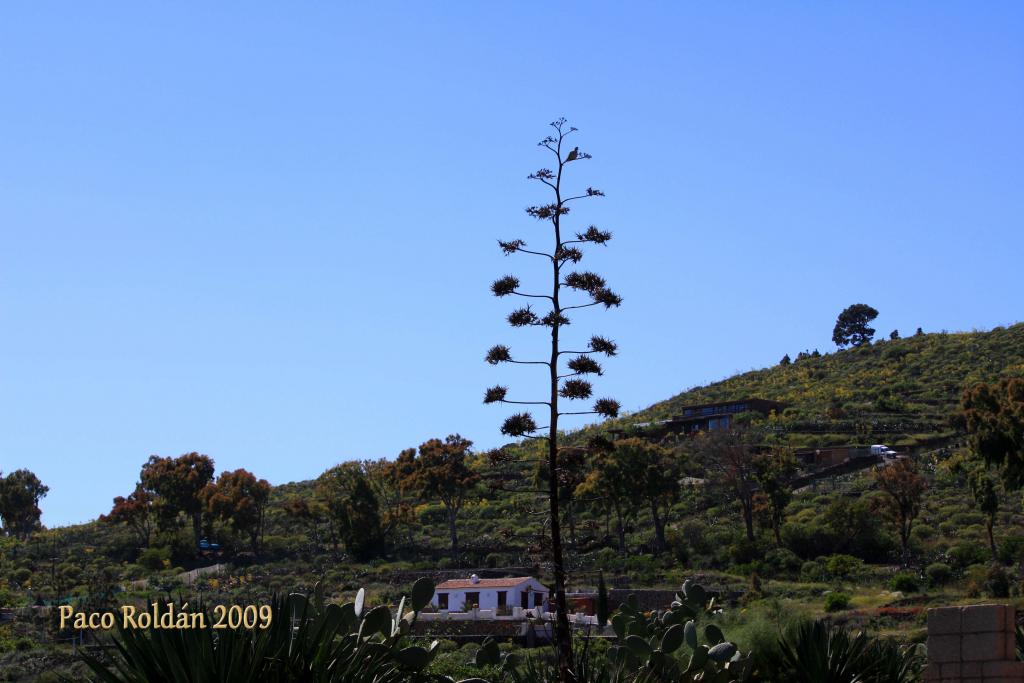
(646, 642)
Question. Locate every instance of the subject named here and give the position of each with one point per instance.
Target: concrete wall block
(943, 621)
(983, 618)
(1006, 669)
(942, 649)
(982, 647)
(950, 671)
(970, 669)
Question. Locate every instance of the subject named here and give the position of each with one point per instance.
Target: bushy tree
(773, 472)
(852, 326)
(731, 459)
(439, 471)
(20, 493)
(654, 472)
(354, 509)
(136, 512)
(986, 495)
(177, 485)
(240, 499)
(613, 484)
(984, 489)
(572, 471)
(396, 513)
(905, 488)
(568, 384)
(310, 515)
(993, 415)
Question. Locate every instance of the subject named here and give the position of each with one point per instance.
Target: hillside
(905, 388)
(903, 392)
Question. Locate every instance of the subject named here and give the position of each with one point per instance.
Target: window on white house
(502, 598)
(442, 601)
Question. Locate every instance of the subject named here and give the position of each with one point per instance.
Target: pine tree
(852, 326)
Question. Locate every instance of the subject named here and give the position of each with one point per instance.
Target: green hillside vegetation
(836, 538)
(915, 381)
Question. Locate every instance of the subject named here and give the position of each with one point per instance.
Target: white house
(461, 595)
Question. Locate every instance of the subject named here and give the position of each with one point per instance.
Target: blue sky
(265, 231)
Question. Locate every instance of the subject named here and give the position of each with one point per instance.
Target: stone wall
(974, 644)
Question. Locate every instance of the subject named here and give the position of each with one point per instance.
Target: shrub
(843, 567)
(807, 540)
(782, 561)
(997, 582)
(678, 547)
(904, 583)
(644, 568)
(938, 573)
(154, 559)
(1011, 550)
(812, 571)
(963, 555)
(607, 559)
(21, 576)
(694, 534)
(835, 602)
(744, 552)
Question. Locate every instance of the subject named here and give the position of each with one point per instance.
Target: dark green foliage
(938, 574)
(835, 602)
(154, 559)
(997, 581)
(994, 418)
(20, 492)
(905, 583)
(816, 653)
(963, 555)
(354, 509)
(852, 326)
(1011, 550)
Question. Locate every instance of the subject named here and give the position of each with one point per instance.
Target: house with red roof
(462, 595)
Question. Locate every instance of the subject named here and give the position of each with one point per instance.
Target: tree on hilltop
(852, 326)
(177, 486)
(20, 493)
(565, 252)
